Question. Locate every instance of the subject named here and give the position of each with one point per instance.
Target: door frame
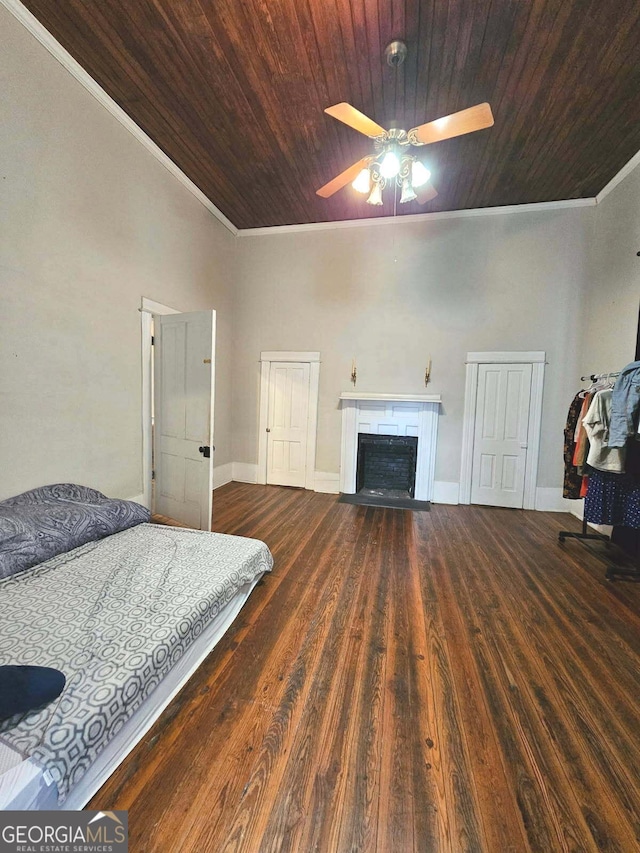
(537, 360)
(148, 307)
(313, 360)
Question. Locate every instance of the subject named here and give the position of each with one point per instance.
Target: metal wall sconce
(354, 372)
(427, 372)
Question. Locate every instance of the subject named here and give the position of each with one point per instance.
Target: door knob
(268, 429)
(206, 451)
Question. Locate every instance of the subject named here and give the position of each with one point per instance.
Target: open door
(184, 371)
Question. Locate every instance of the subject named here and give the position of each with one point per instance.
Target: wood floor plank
(498, 813)
(514, 633)
(550, 685)
(283, 750)
(444, 681)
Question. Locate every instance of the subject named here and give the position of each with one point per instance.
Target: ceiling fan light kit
(392, 161)
(409, 174)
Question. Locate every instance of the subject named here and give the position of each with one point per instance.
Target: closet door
(287, 430)
(500, 434)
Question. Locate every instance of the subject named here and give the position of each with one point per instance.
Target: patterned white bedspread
(114, 616)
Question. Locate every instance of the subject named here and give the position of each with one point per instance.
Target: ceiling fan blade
(354, 118)
(456, 124)
(425, 193)
(343, 178)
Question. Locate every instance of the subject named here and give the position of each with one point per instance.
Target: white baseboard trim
(445, 492)
(551, 500)
(247, 472)
(577, 508)
(244, 472)
(326, 482)
(222, 475)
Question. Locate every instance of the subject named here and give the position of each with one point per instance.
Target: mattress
(115, 616)
(25, 785)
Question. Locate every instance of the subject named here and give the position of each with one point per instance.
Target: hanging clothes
(596, 424)
(613, 499)
(582, 439)
(572, 480)
(625, 405)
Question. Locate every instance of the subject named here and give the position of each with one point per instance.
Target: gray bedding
(114, 616)
(51, 520)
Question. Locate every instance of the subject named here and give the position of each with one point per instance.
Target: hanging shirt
(596, 423)
(625, 405)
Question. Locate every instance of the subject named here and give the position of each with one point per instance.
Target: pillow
(56, 492)
(51, 520)
(25, 688)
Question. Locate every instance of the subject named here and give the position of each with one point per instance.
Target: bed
(128, 618)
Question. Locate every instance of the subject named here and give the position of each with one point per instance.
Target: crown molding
(622, 174)
(31, 23)
(419, 217)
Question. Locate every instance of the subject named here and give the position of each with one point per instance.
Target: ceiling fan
(393, 158)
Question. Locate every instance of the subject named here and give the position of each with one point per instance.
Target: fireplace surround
(408, 415)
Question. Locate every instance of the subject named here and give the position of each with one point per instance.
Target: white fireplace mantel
(392, 398)
(390, 414)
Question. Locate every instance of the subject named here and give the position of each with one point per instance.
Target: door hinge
(153, 475)
(153, 340)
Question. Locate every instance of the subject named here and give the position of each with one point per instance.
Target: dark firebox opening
(386, 465)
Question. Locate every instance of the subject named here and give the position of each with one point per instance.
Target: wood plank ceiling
(234, 91)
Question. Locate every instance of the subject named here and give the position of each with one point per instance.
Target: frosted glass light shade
(362, 182)
(419, 174)
(407, 191)
(376, 195)
(390, 165)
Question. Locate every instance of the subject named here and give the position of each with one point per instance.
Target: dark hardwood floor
(451, 680)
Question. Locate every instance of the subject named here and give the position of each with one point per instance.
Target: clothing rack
(583, 534)
(595, 376)
(613, 570)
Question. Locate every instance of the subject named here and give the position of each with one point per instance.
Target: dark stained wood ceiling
(234, 91)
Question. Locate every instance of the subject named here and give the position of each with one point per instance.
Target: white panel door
(183, 426)
(500, 436)
(287, 423)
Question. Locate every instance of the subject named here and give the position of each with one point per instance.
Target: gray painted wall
(90, 221)
(613, 292)
(390, 295)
